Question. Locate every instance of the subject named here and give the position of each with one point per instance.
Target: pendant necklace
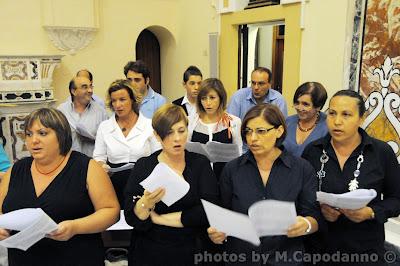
(353, 184)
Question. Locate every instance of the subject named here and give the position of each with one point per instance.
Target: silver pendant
(353, 184)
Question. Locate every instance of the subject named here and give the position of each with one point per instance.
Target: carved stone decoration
(388, 102)
(70, 39)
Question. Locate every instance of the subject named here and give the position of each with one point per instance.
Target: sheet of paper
(81, 130)
(231, 223)
(121, 224)
(352, 200)
(162, 176)
(272, 217)
(197, 147)
(121, 168)
(20, 219)
(222, 152)
(31, 234)
(215, 151)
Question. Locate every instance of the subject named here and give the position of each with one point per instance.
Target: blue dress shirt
(151, 103)
(243, 100)
(290, 142)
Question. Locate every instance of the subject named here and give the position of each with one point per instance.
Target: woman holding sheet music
(212, 122)
(348, 159)
(268, 172)
(168, 235)
(68, 186)
(125, 137)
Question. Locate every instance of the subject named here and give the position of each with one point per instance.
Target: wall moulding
(70, 39)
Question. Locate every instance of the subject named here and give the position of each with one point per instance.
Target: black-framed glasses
(259, 131)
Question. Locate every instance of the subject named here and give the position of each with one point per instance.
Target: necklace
(309, 128)
(43, 173)
(353, 184)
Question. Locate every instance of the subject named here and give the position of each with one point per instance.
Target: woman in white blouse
(212, 122)
(125, 137)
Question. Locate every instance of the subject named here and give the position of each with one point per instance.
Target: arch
(167, 47)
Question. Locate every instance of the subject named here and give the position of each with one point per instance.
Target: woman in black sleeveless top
(70, 187)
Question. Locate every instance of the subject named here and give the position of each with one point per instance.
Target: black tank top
(66, 198)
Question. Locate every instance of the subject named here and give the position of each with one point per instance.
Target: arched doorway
(148, 50)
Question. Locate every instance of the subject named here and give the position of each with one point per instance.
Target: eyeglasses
(255, 83)
(259, 131)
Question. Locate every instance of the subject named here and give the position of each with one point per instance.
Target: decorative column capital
(70, 39)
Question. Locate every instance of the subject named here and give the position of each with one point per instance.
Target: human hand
(65, 231)
(4, 233)
(359, 215)
(149, 199)
(299, 228)
(330, 214)
(216, 236)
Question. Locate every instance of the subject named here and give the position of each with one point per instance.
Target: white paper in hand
(231, 223)
(272, 217)
(33, 225)
(162, 176)
(352, 200)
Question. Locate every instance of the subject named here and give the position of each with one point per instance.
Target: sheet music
(352, 200)
(36, 225)
(215, 151)
(266, 218)
(121, 168)
(272, 217)
(81, 130)
(162, 176)
(231, 223)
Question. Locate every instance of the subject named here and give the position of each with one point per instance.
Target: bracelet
(135, 200)
(308, 223)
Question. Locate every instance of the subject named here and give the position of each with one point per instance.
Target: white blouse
(112, 145)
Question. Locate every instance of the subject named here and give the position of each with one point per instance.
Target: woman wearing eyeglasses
(347, 159)
(212, 122)
(268, 172)
(309, 122)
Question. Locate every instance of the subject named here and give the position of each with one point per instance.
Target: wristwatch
(309, 225)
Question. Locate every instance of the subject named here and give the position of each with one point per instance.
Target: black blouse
(380, 171)
(169, 242)
(290, 179)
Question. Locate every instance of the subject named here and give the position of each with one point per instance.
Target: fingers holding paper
(359, 215)
(330, 214)
(151, 198)
(216, 236)
(4, 234)
(65, 231)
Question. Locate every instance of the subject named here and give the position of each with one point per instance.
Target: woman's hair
(165, 117)
(315, 90)
(271, 114)
(208, 85)
(355, 95)
(123, 84)
(54, 119)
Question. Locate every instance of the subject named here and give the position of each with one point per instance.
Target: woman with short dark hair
(68, 186)
(169, 235)
(268, 172)
(309, 122)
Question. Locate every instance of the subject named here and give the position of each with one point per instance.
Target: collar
(185, 100)
(269, 97)
(72, 105)
(140, 123)
(150, 93)
(285, 158)
(325, 142)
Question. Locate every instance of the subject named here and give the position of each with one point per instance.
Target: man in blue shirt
(259, 92)
(139, 76)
